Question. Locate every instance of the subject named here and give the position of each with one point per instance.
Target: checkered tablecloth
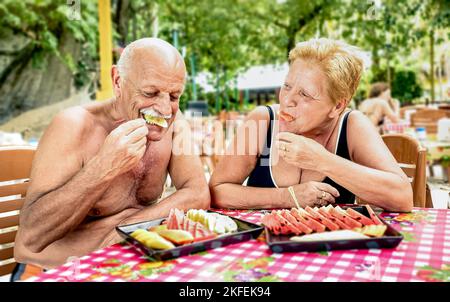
(423, 255)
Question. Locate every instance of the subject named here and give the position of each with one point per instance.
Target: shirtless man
(378, 105)
(101, 165)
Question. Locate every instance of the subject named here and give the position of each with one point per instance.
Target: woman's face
(304, 101)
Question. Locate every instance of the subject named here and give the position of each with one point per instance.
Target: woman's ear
(338, 108)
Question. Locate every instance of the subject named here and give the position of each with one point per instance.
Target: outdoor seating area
(224, 141)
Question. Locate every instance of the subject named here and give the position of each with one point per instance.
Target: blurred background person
(380, 105)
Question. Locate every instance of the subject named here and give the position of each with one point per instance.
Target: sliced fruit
(286, 116)
(179, 237)
(359, 217)
(152, 239)
(155, 120)
(322, 219)
(297, 224)
(373, 230)
(342, 215)
(373, 216)
(158, 228)
(286, 226)
(341, 224)
(303, 216)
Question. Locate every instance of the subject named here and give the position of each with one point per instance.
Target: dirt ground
(31, 124)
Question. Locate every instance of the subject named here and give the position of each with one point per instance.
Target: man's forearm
(51, 216)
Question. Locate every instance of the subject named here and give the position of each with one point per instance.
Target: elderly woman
(309, 148)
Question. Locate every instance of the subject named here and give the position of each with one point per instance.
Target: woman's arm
(226, 186)
(389, 113)
(374, 174)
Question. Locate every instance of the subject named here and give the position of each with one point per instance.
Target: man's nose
(163, 105)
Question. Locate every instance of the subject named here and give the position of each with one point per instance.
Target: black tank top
(261, 176)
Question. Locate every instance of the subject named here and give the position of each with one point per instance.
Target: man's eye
(174, 97)
(286, 86)
(149, 94)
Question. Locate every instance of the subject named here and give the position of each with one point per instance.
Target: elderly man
(106, 163)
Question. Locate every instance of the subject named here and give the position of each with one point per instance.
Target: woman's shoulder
(261, 113)
(358, 118)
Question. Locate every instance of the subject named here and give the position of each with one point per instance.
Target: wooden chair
(427, 118)
(15, 167)
(411, 157)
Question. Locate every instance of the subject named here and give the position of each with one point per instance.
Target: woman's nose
(289, 100)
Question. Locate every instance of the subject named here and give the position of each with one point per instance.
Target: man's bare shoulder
(69, 125)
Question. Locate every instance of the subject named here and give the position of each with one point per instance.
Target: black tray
(246, 231)
(282, 243)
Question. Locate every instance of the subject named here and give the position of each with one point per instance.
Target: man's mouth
(152, 117)
(286, 116)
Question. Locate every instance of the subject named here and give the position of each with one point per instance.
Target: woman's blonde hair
(339, 61)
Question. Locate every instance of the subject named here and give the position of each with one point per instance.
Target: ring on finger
(323, 195)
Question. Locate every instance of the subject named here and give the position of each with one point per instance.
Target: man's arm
(63, 188)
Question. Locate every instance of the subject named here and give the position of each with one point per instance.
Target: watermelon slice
(297, 228)
(342, 215)
(298, 224)
(172, 222)
(341, 224)
(374, 216)
(359, 217)
(322, 219)
(285, 226)
(303, 216)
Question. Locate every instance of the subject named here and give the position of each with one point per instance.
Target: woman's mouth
(153, 117)
(285, 116)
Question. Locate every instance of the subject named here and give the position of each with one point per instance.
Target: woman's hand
(313, 193)
(300, 151)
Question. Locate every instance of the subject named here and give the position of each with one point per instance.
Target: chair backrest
(427, 118)
(15, 168)
(411, 157)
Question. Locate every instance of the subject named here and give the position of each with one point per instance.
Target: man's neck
(112, 118)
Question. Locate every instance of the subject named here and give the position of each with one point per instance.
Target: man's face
(152, 91)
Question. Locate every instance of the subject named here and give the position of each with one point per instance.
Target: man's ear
(116, 81)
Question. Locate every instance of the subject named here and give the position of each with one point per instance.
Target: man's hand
(123, 148)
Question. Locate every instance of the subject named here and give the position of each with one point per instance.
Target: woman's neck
(323, 133)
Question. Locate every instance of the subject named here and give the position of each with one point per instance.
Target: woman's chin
(284, 126)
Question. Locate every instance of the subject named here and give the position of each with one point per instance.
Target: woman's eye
(303, 94)
(286, 86)
(174, 97)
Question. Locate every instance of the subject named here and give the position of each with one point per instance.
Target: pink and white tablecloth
(423, 255)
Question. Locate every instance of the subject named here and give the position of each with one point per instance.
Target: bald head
(150, 52)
